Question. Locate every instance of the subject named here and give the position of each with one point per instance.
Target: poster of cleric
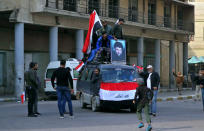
(118, 51)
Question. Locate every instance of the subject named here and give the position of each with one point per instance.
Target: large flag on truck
(94, 25)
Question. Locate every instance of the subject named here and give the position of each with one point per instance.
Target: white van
(52, 66)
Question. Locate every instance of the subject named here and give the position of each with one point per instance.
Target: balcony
(83, 8)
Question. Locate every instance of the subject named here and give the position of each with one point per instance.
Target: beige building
(196, 46)
(157, 32)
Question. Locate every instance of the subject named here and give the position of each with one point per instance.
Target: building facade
(196, 46)
(157, 32)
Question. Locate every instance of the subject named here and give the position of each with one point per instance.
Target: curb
(8, 99)
(187, 97)
(173, 90)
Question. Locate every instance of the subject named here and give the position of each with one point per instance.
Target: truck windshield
(116, 75)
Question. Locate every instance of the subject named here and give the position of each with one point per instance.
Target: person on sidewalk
(179, 81)
(31, 85)
(202, 86)
(143, 98)
(193, 75)
(35, 110)
(153, 81)
(62, 77)
(197, 80)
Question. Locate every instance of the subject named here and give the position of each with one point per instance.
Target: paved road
(173, 116)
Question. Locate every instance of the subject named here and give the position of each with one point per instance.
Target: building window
(133, 10)
(152, 12)
(167, 14)
(69, 5)
(1, 68)
(180, 18)
(113, 8)
(94, 5)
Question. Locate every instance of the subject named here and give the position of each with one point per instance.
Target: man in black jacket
(63, 78)
(117, 29)
(152, 81)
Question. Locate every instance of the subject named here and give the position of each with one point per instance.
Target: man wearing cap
(117, 29)
(103, 44)
(153, 80)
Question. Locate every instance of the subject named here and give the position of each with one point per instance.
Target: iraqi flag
(79, 67)
(94, 25)
(118, 91)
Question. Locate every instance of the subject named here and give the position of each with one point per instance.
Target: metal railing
(105, 10)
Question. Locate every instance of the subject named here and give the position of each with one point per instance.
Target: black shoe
(61, 117)
(38, 114)
(32, 115)
(154, 114)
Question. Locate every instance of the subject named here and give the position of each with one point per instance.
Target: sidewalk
(163, 95)
(7, 98)
(171, 95)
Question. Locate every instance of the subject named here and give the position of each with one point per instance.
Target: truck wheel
(94, 104)
(82, 104)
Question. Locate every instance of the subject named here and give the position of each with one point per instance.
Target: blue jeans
(202, 91)
(153, 106)
(63, 95)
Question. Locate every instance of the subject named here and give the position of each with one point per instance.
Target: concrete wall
(9, 4)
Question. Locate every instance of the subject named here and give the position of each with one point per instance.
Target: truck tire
(94, 107)
(82, 104)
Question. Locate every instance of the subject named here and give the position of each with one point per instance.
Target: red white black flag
(94, 25)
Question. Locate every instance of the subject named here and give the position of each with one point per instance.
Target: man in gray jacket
(31, 84)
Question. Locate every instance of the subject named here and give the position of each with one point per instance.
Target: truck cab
(115, 88)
